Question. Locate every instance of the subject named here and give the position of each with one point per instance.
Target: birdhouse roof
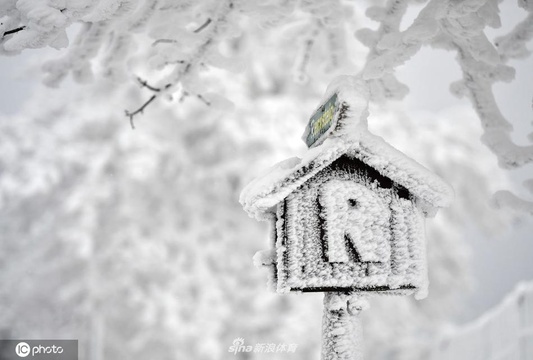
(269, 189)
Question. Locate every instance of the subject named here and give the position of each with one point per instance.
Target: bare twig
(139, 110)
(12, 31)
(163, 41)
(145, 84)
(174, 62)
(184, 94)
(203, 26)
(203, 99)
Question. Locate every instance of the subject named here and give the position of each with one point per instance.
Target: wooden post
(342, 331)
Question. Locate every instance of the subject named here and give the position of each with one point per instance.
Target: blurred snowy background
(133, 241)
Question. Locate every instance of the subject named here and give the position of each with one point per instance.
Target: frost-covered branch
(504, 198)
(483, 65)
(388, 49)
(114, 36)
(389, 17)
(478, 79)
(478, 58)
(302, 62)
(324, 26)
(45, 23)
(183, 69)
(459, 26)
(172, 44)
(78, 60)
(111, 32)
(513, 45)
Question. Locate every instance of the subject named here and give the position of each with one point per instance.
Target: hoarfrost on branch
(169, 44)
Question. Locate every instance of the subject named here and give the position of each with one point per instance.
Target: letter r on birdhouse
(356, 220)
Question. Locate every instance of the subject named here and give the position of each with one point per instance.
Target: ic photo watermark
(23, 349)
(39, 349)
(239, 346)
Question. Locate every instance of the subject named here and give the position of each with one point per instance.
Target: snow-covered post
(347, 219)
(342, 329)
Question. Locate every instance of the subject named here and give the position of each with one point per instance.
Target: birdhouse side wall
(280, 243)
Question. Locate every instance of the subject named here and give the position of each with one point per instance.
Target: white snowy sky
(499, 263)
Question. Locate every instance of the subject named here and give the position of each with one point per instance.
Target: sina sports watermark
(239, 346)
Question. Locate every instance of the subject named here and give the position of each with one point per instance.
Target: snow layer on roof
(266, 191)
(351, 138)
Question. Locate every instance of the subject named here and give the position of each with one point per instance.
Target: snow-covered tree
(134, 241)
(168, 46)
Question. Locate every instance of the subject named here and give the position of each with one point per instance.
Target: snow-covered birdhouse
(349, 215)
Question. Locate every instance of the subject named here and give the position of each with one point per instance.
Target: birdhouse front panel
(349, 228)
